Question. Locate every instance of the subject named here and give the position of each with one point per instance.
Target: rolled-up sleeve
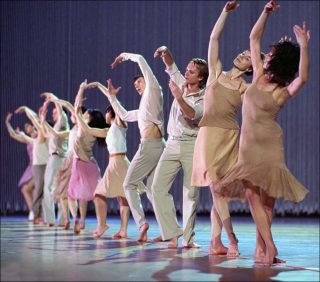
(125, 115)
(175, 75)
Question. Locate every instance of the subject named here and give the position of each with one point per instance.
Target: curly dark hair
(202, 66)
(284, 63)
(97, 120)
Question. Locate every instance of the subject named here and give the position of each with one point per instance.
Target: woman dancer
(262, 180)
(111, 185)
(216, 146)
(26, 181)
(85, 172)
(40, 156)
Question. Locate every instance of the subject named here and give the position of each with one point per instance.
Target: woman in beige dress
(260, 173)
(216, 147)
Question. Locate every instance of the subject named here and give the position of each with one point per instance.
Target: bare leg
(64, 206)
(83, 213)
(262, 222)
(27, 192)
(216, 246)
(124, 214)
(73, 205)
(100, 204)
(222, 208)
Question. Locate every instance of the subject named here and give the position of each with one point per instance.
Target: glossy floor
(37, 253)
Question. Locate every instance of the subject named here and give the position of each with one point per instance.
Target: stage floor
(37, 253)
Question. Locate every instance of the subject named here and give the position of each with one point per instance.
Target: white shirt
(40, 153)
(180, 125)
(116, 139)
(151, 104)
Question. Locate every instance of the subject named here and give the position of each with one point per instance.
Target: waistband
(158, 140)
(182, 138)
(116, 154)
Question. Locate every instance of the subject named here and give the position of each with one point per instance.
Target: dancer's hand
(83, 85)
(111, 89)
(175, 90)
(93, 85)
(231, 6)
(49, 96)
(271, 6)
(160, 52)
(118, 60)
(302, 34)
(20, 110)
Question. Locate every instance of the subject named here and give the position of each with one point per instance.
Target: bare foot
(270, 256)
(218, 251)
(67, 225)
(157, 239)
(143, 233)
(173, 243)
(76, 228)
(259, 254)
(233, 251)
(120, 235)
(192, 245)
(82, 224)
(100, 231)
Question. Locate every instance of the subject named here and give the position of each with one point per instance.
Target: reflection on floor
(37, 253)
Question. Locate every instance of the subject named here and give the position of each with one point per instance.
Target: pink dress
(27, 175)
(85, 172)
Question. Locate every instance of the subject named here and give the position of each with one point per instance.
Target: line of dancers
(204, 141)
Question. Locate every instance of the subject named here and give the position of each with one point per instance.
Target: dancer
(262, 180)
(26, 181)
(85, 172)
(57, 150)
(151, 126)
(40, 155)
(216, 147)
(63, 175)
(185, 113)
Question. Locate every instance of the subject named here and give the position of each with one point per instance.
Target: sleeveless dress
(64, 173)
(27, 174)
(85, 172)
(111, 184)
(261, 158)
(216, 147)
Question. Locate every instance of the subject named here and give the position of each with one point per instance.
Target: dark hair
(97, 120)
(83, 109)
(137, 76)
(110, 110)
(284, 63)
(250, 73)
(202, 66)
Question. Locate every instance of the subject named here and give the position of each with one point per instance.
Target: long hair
(284, 63)
(97, 120)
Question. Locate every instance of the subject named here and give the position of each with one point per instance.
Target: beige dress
(216, 146)
(261, 158)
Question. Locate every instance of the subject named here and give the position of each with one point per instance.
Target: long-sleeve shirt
(58, 145)
(150, 110)
(179, 124)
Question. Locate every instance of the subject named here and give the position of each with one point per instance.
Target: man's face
(192, 74)
(140, 85)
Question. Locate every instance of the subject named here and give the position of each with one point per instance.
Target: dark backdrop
(55, 45)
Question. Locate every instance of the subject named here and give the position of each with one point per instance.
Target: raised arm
(303, 37)
(214, 62)
(171, 67)
(256, 36)
(32, 116)
(17, 135)
(151, 80)
(111, 92)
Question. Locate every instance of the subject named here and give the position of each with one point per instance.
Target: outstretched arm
(256, 36)
(151, 80)
(32, 116)
(303, 37)
(214, 62)
(17, 135)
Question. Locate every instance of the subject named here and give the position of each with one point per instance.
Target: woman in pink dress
(26, 181)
